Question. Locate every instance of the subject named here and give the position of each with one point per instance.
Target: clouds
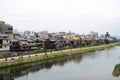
(59, 7)
(62, 15)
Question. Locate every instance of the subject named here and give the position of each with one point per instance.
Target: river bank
(116, 71)
(25, 59)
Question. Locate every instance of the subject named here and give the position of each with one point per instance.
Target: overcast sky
(80, 16)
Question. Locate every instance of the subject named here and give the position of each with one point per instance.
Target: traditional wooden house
(32, 44)
(14, 45)
(50, 44)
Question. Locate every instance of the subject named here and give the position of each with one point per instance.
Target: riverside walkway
(24, 59)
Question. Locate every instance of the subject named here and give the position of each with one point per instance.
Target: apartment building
(5, 28)
(4, 43)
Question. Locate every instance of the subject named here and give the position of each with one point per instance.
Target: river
(97, 65)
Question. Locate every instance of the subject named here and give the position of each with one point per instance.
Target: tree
(106, 41)
(15, 31)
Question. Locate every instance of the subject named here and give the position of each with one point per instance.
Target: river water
(97, 65)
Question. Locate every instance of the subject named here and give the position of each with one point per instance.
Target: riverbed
(96, 65)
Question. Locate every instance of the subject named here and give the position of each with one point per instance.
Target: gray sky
(80, 16)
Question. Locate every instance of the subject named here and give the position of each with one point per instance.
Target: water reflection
(16, 72)
(97, 65)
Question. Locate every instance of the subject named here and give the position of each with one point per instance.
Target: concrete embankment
(25, 59)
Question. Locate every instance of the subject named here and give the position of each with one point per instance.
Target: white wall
(5, 46)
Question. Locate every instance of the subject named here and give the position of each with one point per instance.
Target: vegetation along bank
(26, 59)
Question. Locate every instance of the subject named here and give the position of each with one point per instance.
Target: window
(0, 46)
(5, 37)
(10, 28)
(6, 40)
(1, 42)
